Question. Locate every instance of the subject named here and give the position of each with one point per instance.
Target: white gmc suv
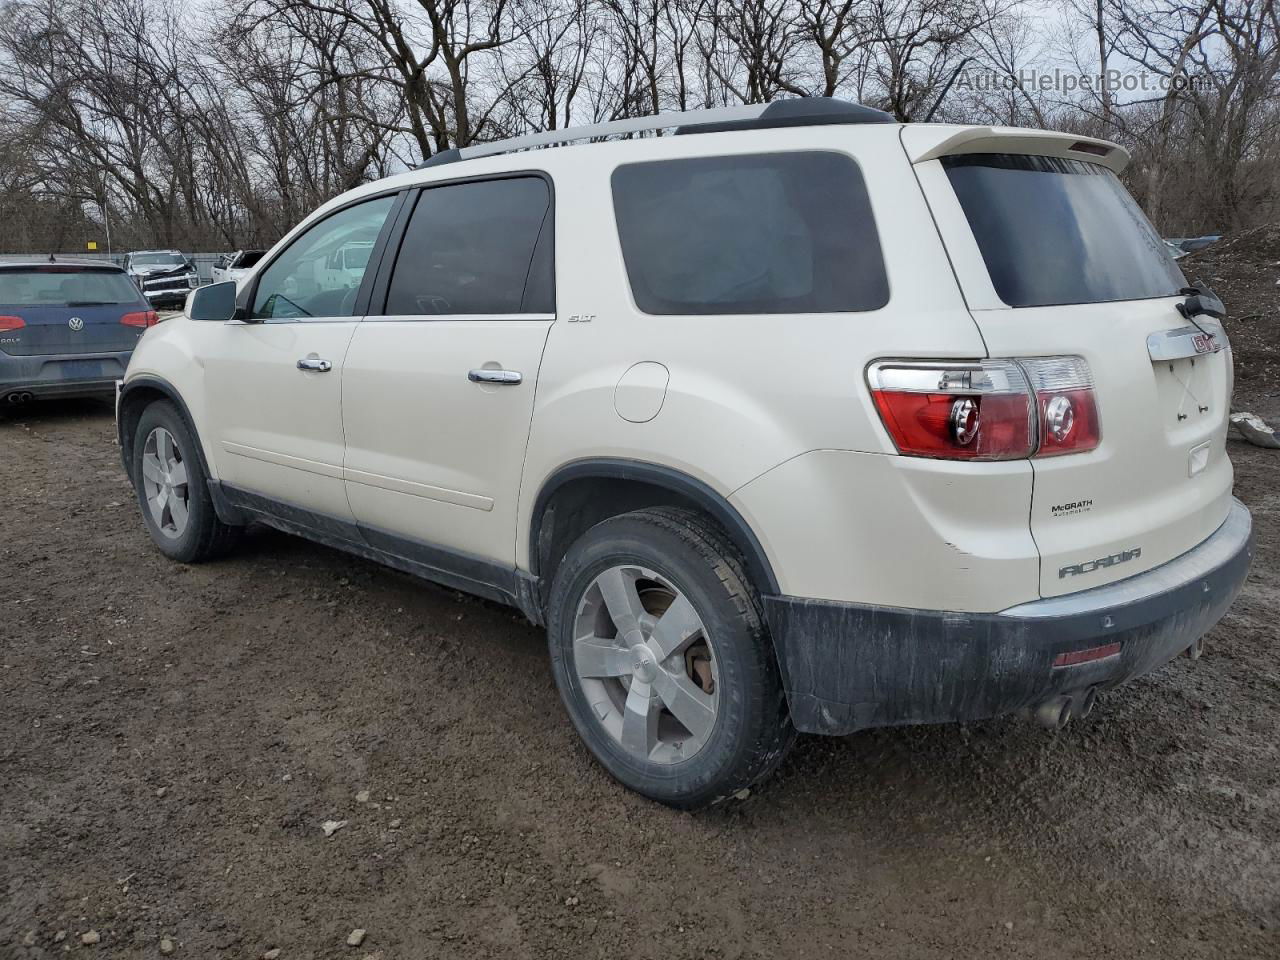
(800, 419)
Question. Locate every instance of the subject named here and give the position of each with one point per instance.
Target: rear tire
(173, 489)
(685, 708)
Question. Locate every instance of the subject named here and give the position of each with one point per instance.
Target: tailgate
(57, 309)
(59, 331)
(1056, 259)
(1159, 482)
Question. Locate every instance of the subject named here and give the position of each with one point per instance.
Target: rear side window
(476, 248)
(63, 287)
(1058, 231)
(771, 233)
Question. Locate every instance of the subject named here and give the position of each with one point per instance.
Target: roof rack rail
(801, 112)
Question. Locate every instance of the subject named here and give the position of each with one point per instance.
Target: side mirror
(217, 301)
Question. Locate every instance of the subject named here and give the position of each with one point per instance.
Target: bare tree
(228, 130)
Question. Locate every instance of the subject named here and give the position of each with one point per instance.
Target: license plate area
(81, 369)
(1191, 392)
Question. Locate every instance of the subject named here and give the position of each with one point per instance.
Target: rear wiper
(1201, 301)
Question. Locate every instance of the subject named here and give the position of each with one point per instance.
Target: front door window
(319, 274)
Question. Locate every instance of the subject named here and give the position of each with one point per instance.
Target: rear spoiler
(931, 141)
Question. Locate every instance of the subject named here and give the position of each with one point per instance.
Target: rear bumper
(850, 666)
(61, 375)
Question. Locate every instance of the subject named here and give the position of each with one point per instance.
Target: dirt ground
(172, 739)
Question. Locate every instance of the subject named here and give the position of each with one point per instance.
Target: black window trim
(390, 252)
(244, 305)
(617, 233)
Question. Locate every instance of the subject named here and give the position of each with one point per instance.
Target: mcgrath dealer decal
(1070, 509)
(1076, 569)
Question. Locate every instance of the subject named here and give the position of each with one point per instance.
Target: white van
(800, 419)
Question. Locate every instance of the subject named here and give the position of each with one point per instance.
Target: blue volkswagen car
(67, 328)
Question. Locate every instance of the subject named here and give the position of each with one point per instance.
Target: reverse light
(1068, 410)
(965, 420)
(987, 409)
(12, 323)
(1060, 417)
(141, 318)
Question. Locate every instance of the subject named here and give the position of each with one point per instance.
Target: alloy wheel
(164, 483)
(646, 664)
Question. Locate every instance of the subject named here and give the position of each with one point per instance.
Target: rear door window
(1054, 231)
(482, 247)
(768, 233)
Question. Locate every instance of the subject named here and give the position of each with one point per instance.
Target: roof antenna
(51, 260)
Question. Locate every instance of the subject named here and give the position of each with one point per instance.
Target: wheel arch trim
(706, 497)
(226, 513)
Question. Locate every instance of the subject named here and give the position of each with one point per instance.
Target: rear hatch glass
(68, 310)
(1084, 273)
(1053, 230)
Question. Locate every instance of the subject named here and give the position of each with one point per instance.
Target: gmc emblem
(1204, 342)
(1076, 569)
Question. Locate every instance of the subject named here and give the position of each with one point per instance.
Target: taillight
(987, 409)
(955, 411)
(143, 318)
(1068, 410)
(12, 323)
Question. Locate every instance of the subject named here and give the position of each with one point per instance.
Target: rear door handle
(312, 363)
(508, 378)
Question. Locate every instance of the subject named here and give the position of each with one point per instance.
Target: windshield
(60, 287)
(248, 258)
(163, 259)
(1059, 231)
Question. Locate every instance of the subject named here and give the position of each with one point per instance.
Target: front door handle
(508, 378)
(313, 363)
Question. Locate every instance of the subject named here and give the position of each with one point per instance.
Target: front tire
(173, 490)
(661, 658)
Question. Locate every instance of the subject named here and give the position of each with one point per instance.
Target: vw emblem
(75, 323)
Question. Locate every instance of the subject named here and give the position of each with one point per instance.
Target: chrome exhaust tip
(1054, 713)
(1196, 649)
(1087, 702)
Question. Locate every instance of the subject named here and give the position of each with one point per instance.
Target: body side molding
(450, 568)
